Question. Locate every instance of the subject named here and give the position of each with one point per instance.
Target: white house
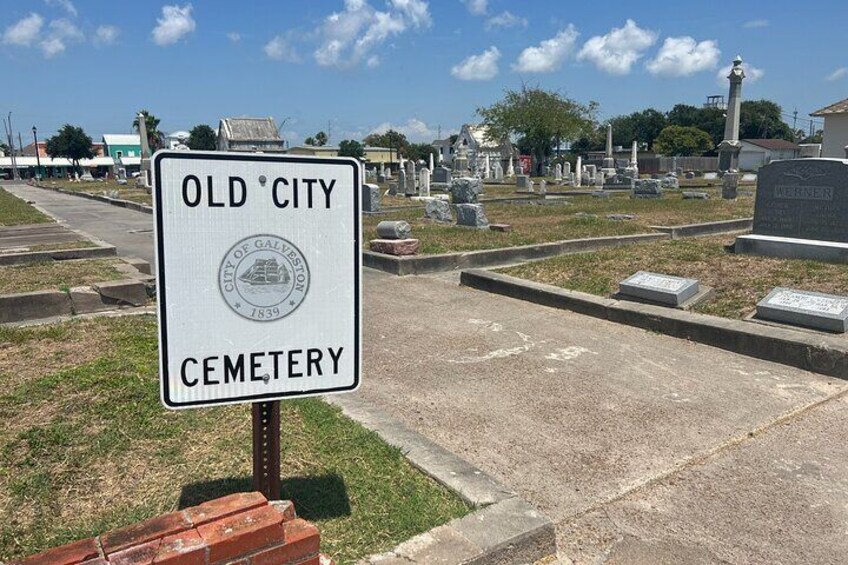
(175, 138)
(473, 142)
(835, 129)
(444, 149)
(755, 153)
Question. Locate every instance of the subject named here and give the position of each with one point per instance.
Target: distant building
(444, 148)
(835, 129)
(173, 139)
(121, 145)
(250, 134)
(758, 152)
(474, 143)
(373, 155)
(29, 150)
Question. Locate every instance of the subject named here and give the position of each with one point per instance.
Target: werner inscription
(803, 198)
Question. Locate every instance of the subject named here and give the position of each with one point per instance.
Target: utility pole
(794, 119)
(7, 124)
(20, 145)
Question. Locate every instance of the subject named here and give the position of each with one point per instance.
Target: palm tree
(155, 138)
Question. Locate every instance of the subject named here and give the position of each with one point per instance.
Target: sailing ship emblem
(264, 278)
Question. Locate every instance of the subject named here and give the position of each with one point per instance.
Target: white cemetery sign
(258, 276)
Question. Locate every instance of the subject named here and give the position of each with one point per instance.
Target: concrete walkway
(130, 231)
(642, 448)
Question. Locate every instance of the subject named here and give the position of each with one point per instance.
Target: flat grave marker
(816, 310)
(658, 288)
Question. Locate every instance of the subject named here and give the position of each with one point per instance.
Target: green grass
(52, 275)
(16, 212)
(740, 281)
(128, 191)
(584, 217)
(87, 447)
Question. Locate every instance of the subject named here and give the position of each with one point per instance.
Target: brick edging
(824, 354)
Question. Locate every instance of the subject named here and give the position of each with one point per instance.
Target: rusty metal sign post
(258, 284)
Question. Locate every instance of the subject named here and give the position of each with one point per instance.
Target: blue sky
(357, 66)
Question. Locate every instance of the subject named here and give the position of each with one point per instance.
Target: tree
(684, 141)
(309, 141)
(320, 139)
(763, 119)
(72, 143)
(202, 138)
(351, 148)
(710, 120)
(540, 116)
(155, 139)
(4, 149)
(643, 127)
(421, 152)
(390, 139)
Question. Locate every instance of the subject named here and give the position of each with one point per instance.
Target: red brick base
(240, 529)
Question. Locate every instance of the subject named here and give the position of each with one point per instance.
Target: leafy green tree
(71, 143)
(421, 152)
(540, 116)
(683, 140)
(391, 139)
(320, 139)
(351, 148)
(202, 138)
(643, 127)
(155, 138)
(763, 119)
(309, 141)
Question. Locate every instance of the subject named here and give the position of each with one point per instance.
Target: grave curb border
(707, 228)
(421, 264)
(819, 353)
(503, 528)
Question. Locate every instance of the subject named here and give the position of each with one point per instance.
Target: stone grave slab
(666, 290)
(805, 308)
(696, 195)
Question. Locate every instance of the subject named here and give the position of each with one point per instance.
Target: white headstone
(510, 170)
(579, 175)
(431, 167)
(558, 172)
(424, 180)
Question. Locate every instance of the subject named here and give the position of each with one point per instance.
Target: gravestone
(471, 215)
(370, 198)
(401, 184)
(670, 181)
(710, 176)
(696, 196)
(439, 211)
(805, 308)
(558, 172)
(410, 178)
(647, 188)
(381, 178)
(730, 185)
(800, 211)
(394, 230)
(424, 182)
(543, 187)
(465, 190)
(498, 171)
(690, 175)
(749, 177)
(522, 181)
(662, 289)
(442, 175)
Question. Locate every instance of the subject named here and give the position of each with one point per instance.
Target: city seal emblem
(264, 278)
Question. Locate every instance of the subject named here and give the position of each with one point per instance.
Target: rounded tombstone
(390, 229)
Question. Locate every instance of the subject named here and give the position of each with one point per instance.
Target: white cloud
(505, 19)
(414, 129)
(549, 55)
(279, 49)
(477, 7)
(349, 37)
(234, 36)
(837, 74)
(683, 56)
(478, 67)
(755, 23)
(25, 31)
(752, 74)
(106, 35)
(176, 22)
(616, 51)
(61, 32)
(373, 62)
(67, 5)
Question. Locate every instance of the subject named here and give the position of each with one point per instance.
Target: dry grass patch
(573, 218)
(740, 281)
(108, 188)
(92, 449)
(61, 275)
(16, 212)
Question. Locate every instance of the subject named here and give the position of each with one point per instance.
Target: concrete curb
(57, 255)
(504, 528)
(819, 353)
(708, 228)
(129, 204)
(416, 265)
(28, 306)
